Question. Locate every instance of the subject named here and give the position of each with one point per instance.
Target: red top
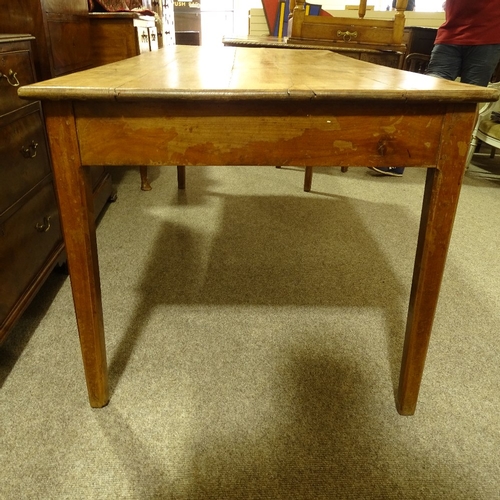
(470, 22)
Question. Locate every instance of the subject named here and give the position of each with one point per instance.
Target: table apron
(283, 133)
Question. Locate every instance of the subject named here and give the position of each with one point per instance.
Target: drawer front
(24, 159)
(27, 239)
(346, 32)
(16, 70)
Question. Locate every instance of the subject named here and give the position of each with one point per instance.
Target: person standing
(467, 45)
(409, 6)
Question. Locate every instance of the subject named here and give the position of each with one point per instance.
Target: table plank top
(229, 73)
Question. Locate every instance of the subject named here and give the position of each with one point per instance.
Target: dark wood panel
(30, 238)
(24, 160)
(16, 68)
(112, 40)
(419, 39)
(69, 43)
(60, 28)
(30, 241)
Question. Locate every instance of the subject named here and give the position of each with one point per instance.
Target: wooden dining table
(195, 106)
(391, 58)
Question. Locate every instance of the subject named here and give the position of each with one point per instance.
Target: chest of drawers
(30, 236)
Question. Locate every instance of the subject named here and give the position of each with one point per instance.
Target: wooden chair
(487, 128)
(416, 63)
(181, 178)
(345, 32)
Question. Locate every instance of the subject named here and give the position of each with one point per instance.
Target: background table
(189, 105)
(391, 58)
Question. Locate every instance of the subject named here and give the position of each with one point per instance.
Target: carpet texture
(254, 335)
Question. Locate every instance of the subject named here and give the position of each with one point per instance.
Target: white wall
(217, 20)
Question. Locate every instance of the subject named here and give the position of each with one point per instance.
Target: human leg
(445, 62)
(479, 63)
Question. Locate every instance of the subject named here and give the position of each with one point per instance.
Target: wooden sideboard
(118, 35)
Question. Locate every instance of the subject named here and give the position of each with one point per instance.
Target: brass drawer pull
(44, 226)
(30, 151)
(347, 35)
(144, 37)
(12, 75)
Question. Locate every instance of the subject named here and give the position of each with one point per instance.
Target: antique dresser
(30, 239)
(61, 45)
(30, 235)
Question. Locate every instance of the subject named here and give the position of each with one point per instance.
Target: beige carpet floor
(254, 335)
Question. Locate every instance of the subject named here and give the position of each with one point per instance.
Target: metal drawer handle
(144, 37)
(44, 226)
(30, 151)
(347, 35)
(12, 75)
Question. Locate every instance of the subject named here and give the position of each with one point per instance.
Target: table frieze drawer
(323, 135)
(24, 160)
(16, 69)
(35, 226)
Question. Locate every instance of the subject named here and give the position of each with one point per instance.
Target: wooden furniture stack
(30, 239)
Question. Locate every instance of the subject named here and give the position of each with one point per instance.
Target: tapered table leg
(442, 189)
(74, 192)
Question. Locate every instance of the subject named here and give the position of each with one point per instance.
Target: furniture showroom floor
(223, 388)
